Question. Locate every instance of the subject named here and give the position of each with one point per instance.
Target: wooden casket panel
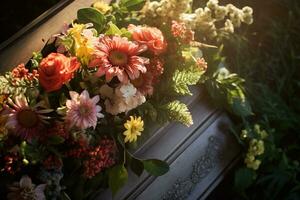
(199, 156)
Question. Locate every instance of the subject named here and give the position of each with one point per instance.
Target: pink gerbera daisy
(83, 111)
(116, 56)
(26, 120)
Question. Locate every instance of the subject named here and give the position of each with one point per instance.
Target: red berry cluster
(101, 157)
(95, 158)
(156, 68)
(21, 72)
(59, 129)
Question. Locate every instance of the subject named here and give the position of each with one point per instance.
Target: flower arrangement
(79, 105)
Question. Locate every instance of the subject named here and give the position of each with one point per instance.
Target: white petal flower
(126, 98)
(128, 90)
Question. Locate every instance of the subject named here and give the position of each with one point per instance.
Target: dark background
(15, 14)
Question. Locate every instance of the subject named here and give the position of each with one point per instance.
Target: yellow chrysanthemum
(83, 48)
(76, 31)
(84, 51)
(134, 127)
(102, 6)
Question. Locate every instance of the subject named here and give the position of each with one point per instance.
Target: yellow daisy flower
(134, 127)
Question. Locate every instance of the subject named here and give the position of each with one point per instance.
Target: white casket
(199, 156)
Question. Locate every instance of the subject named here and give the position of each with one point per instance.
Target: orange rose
(150, 36)
(55, 70)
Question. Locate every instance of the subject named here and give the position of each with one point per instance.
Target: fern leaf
(182, 79)
(179, 112)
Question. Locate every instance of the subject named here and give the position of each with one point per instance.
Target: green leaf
(113, 30)
(137, 166)
(191, 53)
(36, 59)
(156, 167)
(243, 178)
(241, 108)
(91, 15)
(132, 4)
(55, 140)
(118, 176)
(147, 109)
(126, 33)
(32, 152)
(227, 90)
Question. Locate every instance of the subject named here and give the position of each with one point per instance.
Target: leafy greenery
(10, 85)
(156, 167)
(91, 15)
(182, 79)
(117, 178)
(269, 62)
(132, 5)
(227, 90)
(114, 30)
(244, 178)
(177, 111)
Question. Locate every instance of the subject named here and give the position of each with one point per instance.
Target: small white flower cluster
(121, 99)
(166, 9)
(202, 19)
(205, 19)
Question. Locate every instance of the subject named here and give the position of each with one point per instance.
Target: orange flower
(55, 70)
(150, 36)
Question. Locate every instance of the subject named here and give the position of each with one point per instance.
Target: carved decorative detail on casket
(201, 168)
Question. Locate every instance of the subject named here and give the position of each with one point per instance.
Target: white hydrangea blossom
(229, 28)
(122, 99)
(232, 16)
(188, 19)
(220, 12)
(202, 19)
(164, 9)
(212, 4)
(247, 15)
